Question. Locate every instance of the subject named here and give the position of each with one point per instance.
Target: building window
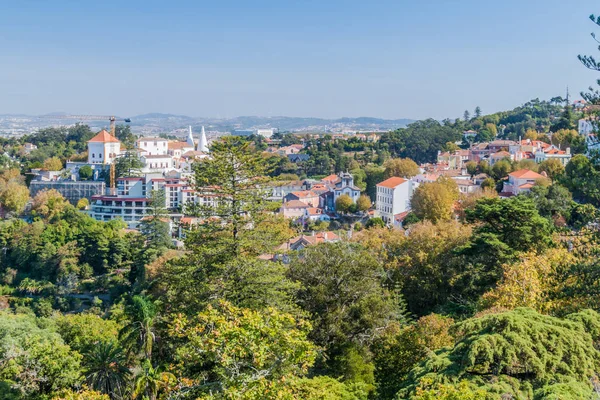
(93, 155)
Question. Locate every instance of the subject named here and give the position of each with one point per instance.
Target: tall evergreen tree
(155, 226)
(235, 176)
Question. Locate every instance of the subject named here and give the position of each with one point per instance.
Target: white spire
(190, 138)
(203, 144)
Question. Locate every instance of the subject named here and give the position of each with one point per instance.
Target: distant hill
(157, 123)
(171, 121)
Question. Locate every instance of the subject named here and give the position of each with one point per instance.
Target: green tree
(235, 175)
(152, 381)
(569, 138)
(343, 204)
(343, 289)
(583, 180)
(49, 204)
(86, 173)
(553, 201)
(471, 168)
(501, 169)
(138, 333)
(124, 134)
(506, 354)
(515, 222)
(53, 164)
(83, 203)
(363, 203)
(35, 361)
(155, 226)
(83, 332)
(401, 167)
(399, 349)
(477, 112)
(467, 116)
(107, 370)
(128, 164)
(434, 201)
(14, 197)
(238, 349)
(553, 168)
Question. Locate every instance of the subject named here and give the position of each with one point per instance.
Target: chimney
(568, 150)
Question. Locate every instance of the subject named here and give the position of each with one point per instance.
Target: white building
(586, 126)
(521, 181)
(265, 132)
(103, 148)
(393, 197)
(553, 152)
(152, 146)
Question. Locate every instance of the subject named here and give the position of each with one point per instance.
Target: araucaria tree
(234, 176)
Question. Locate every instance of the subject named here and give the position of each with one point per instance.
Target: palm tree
(151, 381)
(139, 332)
(107, 371)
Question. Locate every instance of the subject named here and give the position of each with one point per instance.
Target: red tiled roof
(392, 182)
(178, 145)
(526, 174)
(104, 137)
(304, 194)
(315, 211)
(500, 154)
(331, 178)
(295, 204)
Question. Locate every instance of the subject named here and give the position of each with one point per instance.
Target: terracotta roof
(500, 154)
(526, 174)
(188, 220)
(331, 178)
(179, 145)
(104, 137)
(392, 182)
(401, 216)
(192, 153)
(295, 204)
(304, 194)
(321, 237)
(526, 186)
(315, 211)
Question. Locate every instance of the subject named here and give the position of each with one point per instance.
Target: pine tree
(155, 226)
(235, 175)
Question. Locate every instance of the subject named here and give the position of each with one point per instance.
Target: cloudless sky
(321, 58)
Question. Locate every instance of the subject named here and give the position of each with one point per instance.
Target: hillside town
(166, 165)
(221, 202)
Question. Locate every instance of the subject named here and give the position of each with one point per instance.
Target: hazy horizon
(390, 60)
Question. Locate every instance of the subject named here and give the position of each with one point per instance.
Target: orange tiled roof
(295, 204)
(104, 137)
(392, 182)
(526, 174)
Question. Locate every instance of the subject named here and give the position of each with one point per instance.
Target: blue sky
(328, 58)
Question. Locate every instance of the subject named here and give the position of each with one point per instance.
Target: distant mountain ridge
(282, 123)
(157, 123)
